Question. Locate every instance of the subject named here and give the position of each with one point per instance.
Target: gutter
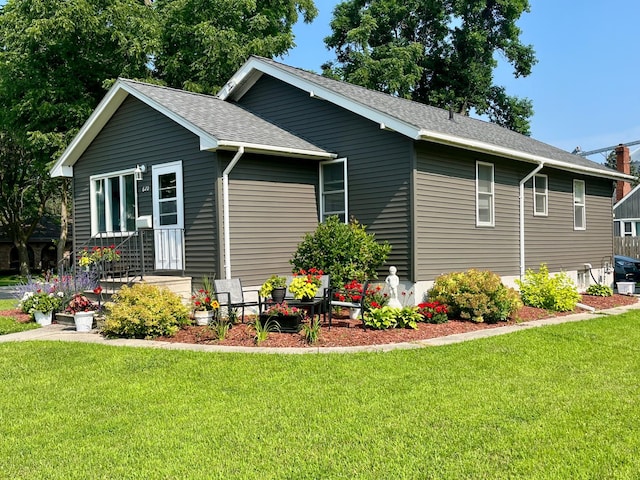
(225, 211)
(521, 185)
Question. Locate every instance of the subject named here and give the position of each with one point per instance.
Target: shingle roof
(222, 120)
(432, 119)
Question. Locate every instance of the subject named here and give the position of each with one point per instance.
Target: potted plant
(287, 318)
(204, 306)
(98, 254)
(83, 310)
(351, 292)
(305, 284)
(275, 286)
(41, 305)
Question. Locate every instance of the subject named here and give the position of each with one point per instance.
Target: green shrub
(145, 311)
(344, 251)
(557, 293)
(387, 317)
(475, 295)
(599, 290)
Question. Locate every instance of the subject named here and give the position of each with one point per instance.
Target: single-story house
(243, 175)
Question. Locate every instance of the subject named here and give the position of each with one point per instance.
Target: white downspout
(225, 211)
(522, 182)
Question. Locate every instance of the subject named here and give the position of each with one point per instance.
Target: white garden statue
(393, 282)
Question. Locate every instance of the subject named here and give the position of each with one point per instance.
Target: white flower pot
(203, 317)
(43, 318)
(84, 321)
(354, 313)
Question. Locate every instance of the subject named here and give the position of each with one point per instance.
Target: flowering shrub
(433, 312)
(476, 295)
(145, 311)
(96, 254)
(282, 309)
(375, 298)
(344, 251)
(203, 300)
(541, 290)
(306, 283)
(41, 301)
(80, 303)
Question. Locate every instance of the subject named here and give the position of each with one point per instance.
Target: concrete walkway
(66, 333)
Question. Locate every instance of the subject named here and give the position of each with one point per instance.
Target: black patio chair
(230, 294)
(337, 303)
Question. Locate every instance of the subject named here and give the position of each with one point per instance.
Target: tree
(55, 58)
(438, 52)
(203, 42)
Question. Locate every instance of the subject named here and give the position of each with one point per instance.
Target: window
(484, 195)
(333, 189)
(113, 203)
(540, 195)
(579, 207)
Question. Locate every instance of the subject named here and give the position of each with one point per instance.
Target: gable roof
(218, 124)
(627, 197)
(416, 120)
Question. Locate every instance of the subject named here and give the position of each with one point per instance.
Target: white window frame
(491, 195)
(94, 207)
(344, 191)
(537, 194)
(580, 206)
(633, 223)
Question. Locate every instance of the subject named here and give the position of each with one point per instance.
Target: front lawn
(9, 324)
(552, 402)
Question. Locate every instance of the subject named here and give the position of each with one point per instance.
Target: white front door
(168, 216)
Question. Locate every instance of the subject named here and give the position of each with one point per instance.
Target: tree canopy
(438, 52)
(203, 42)
(59, 56)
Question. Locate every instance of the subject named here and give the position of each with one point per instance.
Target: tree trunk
(23, 256)
(64, 222)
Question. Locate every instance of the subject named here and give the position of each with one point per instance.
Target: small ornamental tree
(344, 251)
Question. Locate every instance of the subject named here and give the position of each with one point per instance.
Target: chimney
(623, 164)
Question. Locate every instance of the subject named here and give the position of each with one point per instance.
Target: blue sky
(585, 87)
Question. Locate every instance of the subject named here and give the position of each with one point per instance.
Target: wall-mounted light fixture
(140, 169)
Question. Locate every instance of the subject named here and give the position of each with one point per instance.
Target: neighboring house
(41, 247)
(245, 174)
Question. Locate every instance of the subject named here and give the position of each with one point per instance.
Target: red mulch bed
(347, 333)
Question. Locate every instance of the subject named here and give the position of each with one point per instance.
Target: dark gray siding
(379, 162)
(553, 240)
(273, 203)
(447, 237)
(138, 134)
(449, 240)
(630, 208)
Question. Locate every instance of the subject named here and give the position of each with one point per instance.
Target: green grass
(10, 280)
(8, 324)
(548, 403)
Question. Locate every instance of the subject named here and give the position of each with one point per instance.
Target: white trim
(271, 150)
(63, 167)
(521, 219)
(246, 76)
(492, 194)
(345, 191)
(226, 212)
(545, 194)
(583, 204)
(93, 207)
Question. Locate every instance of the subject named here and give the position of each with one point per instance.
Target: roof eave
(275, 150)
(484, 147)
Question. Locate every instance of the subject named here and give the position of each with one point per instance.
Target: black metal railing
(116, 261)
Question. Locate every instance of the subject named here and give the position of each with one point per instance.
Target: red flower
(97, 290)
